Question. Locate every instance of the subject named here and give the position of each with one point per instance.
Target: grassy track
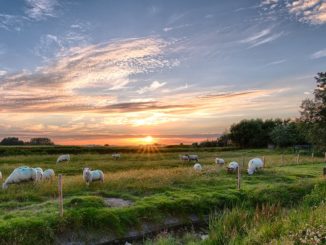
(158, 183)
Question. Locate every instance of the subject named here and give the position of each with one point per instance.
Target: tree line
(33, 141)
(308, 129)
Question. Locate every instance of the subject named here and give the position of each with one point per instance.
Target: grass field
(160, 186)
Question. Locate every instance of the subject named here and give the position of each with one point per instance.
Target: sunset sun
(148, 140)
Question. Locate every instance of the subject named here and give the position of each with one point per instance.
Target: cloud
(310, 11)
(9, 22)
(68, 82)
(152, 87)
(319, 54)
(262, 37)
(172, 28)
(41, 9)
(3, 72)
(276, 62)
(233, 94)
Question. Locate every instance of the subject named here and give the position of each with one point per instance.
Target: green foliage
(253, 133)
(287, 134)
(11, 141)
(313, 113)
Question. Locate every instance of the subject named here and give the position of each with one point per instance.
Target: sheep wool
(39, 173)
(198, 167)
(21, 174)
(92, 175)
(233, 165)
(63, 158)
(255, 164)
(116, 156)
(219, 161)
(48, 174)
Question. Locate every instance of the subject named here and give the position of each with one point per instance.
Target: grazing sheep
(39, 175)
(92, 175)
(189, 158)
(198, 167)
(116, 156)
(21, 174)
(255, 164)
(63, 158)
(219, 161)
(233, 166)
(184, 158)
(193, 158)
(48, 174)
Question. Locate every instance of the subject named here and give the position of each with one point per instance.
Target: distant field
(158, 184)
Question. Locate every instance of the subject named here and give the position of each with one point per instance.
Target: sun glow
(148, 140)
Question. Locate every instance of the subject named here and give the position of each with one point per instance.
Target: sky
(114, 72)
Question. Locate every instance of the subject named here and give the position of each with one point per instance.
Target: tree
(11, 141)
(287, 134)
(223, 140)
(41, 141)
(313, 113)
(253, 132)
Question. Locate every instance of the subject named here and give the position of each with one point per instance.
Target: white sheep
(219, 161)
(48, 174)
(255, 164)
(198, 167)
(193, 157)
(233, 166)
(39, 175)
(21, 174)
(184, 158)
(116, 156)
(0, 175)
(92, 175)
(189, 158)
(63, 158)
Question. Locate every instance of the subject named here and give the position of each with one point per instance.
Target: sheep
(198, 167)
(92, 175)
(21, 174)
(255, 164)
(0, 175)
(48, 174)
(193, 158)
(63, 158)
(219, 161)
(189, 158)
(116, 156)
(233, 166)
(184, 158)
(39, 175)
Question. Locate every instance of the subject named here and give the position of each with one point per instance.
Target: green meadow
(274, 206)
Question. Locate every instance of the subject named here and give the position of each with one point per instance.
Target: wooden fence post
(243, 161)
(60, 198)
(298, 158)
(238, 178)
(282, 160)
(325, 157)
(312, 157)
(264, 161)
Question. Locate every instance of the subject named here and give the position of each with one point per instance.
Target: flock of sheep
(26, 174)
(253, 165)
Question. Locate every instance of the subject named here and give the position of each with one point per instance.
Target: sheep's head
(250, 171)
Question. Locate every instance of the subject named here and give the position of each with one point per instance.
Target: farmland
(160, 187)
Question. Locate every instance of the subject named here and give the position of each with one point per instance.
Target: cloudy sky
(94, 72)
